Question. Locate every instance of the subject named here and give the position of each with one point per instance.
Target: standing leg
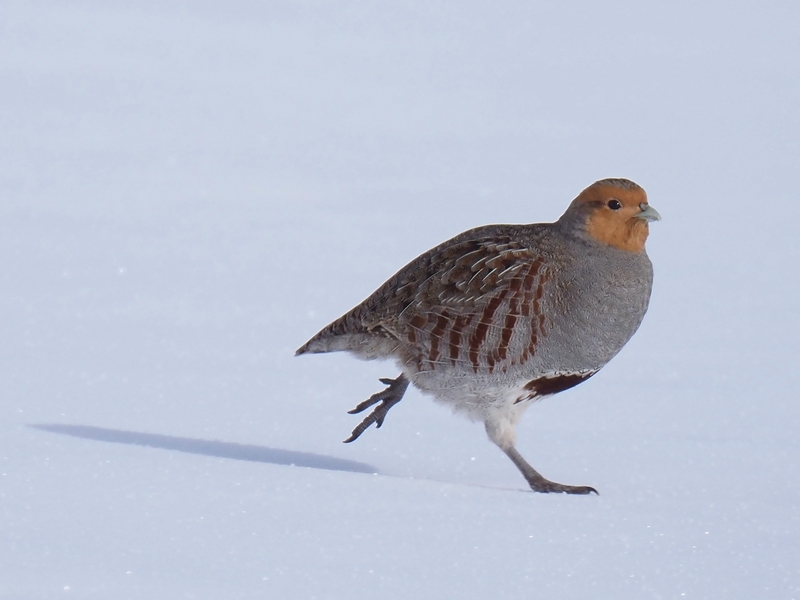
(501, 432)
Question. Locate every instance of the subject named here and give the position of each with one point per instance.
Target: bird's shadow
(231, 450)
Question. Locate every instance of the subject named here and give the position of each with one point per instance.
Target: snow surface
(190, 190)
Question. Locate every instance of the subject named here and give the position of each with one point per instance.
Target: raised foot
(551, 487)
(387, 398)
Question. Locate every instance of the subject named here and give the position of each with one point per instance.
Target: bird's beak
(648, 213)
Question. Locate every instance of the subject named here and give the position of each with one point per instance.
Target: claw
(558, 488)
(387, 398)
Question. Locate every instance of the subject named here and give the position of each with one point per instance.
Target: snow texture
(190, 190)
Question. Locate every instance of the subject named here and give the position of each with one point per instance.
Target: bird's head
(613, 212)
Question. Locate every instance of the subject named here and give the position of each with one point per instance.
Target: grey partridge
(503, 315)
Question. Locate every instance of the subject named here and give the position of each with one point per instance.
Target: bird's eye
(614, 204)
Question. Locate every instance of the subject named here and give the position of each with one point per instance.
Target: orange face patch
(613, 219)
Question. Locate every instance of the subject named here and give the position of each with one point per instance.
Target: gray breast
(600, 301)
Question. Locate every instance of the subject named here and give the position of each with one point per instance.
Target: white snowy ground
(189, 190)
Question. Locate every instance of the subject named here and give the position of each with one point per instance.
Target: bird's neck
(630, 238)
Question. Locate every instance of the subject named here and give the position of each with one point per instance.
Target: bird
(501, 316)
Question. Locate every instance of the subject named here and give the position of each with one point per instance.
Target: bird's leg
(387, 398)
(501, 432)
(539, 483)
